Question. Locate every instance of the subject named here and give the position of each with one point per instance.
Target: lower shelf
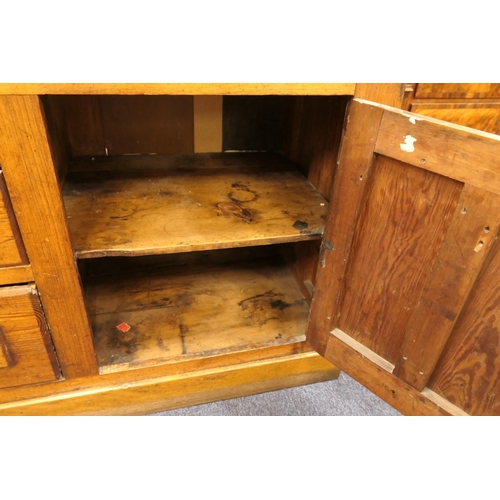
(147, 311)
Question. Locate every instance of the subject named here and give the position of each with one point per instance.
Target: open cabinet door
(407, 295)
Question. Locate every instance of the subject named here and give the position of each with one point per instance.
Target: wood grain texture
(147, 124)
(401, 396)
(473, 230)
(28, 166)
(179, 88)
(170, 308)
(28, 355)
(391, 94)
(348, 192)
(105, 396)
(207, 123)
(468, 372)
(401, 226)
(478, 116)
(315, 138)
(458, 90)
(13, 275)
(12, 251)
(84, 125)
(469, 158)
(138, 205)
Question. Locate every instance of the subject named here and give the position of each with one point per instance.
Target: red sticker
(123, 327)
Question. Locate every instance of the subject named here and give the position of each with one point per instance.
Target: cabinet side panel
(403, 223)
(468, 372)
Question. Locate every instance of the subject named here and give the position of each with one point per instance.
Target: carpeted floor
(343, 396)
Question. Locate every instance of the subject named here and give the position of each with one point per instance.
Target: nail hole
(480, 244)
(464, 210)
(405, 357)
(487, 229)
(421, 372)
(422, 161)
(360, 177)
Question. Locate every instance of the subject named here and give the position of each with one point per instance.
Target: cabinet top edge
(179, 88)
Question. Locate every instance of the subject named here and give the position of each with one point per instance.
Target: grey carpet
(343, 396)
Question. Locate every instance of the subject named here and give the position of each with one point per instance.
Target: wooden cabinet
(475, 105)
(171, 276)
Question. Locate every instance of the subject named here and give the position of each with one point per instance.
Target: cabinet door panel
(413, 218)
(12, 251)
(26, 353)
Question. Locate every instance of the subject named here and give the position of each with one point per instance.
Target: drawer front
(484, 117)
(457, 91)
(26, 352)
(12, 251)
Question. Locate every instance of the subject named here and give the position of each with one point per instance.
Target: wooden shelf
(178, 309)
(154, 204)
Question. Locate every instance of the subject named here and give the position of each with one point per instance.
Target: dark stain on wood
(279, 304)
(182, 331)
(161, 344)
(298, 224)
(230, 208)
(242, 193)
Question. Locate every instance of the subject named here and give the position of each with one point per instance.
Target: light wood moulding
(143, 205)
(180, 88)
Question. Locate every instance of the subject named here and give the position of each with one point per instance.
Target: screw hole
(487, 229)
(464, 210)
(422, 161)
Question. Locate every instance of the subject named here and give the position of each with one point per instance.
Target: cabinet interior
(196, 221)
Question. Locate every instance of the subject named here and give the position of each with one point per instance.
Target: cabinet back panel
(403, 222)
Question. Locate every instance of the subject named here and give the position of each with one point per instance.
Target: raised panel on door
(413, 220)
(26, 352)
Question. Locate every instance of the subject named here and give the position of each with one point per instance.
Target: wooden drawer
(457, 91)
(12, 251)
(26, 352)
(484, 117)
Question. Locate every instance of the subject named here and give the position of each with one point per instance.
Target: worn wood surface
(180, 88)
(458, 90)
(478, 116)
(13, 275)
(28, 165)
(28, 355)
(472, 231)
(346, 202)
(12, 251)
(207, 123)
(84, 124)
(395, 392)
(121, 394)
(177, 309)
(402, 224)
(418, 141)
(468, 372)
(147, 124)
(137, 205)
